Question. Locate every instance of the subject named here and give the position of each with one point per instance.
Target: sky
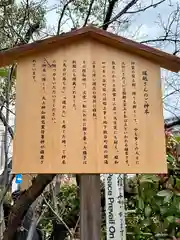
(147, 19)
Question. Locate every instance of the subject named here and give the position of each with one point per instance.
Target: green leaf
(177, 138)
(140, 203)
(171, 219)
(164, 193)
(146, 222)
(163, 210)
(170, 158)
(149, 178)
(177, 183)
(3, 72)
(171, 181)
(178, 206)
(167, 199)
(147, 211)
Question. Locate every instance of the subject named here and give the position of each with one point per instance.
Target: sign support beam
(90, 207)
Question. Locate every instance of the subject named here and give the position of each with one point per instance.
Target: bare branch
(171, 19)
(171, 30)
(30, 32)
(109, 14)
(76, 226)
(61, 16)
(162, 39)
(89, 12)
(172, 107)
(54, 197)
(7, 102)
(171, 93)
(71, 17)
(11, 25)
(3, 119)
(104, 10)
(25, 15)
(58, 217)
(107, 21)
(145, 8)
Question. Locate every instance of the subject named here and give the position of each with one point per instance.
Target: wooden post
(90, 207)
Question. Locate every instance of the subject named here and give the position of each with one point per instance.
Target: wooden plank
(90, 198)
(92, 111)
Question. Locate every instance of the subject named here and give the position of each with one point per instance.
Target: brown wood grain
(27, 141)
(90, 216)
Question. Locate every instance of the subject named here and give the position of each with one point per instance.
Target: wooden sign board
(88, 108)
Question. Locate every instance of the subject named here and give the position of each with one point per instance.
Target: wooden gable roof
(161, 58)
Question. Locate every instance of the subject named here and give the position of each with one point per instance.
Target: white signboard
(115, 207)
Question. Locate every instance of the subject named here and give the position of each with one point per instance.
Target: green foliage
(15, 20)
(155, 200)
(69, 204)
(4, 75)
(68, 208)
(3, 72)
(158, 201)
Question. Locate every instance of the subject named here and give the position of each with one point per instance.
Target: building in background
(175, 130)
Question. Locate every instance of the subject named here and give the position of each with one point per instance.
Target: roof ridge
(163, 59)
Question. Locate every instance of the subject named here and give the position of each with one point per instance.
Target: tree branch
(58, 217)
(61, 17)
(89, 12)
(107, 21)
(162, 39)
(171, 93)
(23, 203)
(33, 28)
(25, 15)
(145, 8)
(109, 14)
(3, 119)
(172, 124)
